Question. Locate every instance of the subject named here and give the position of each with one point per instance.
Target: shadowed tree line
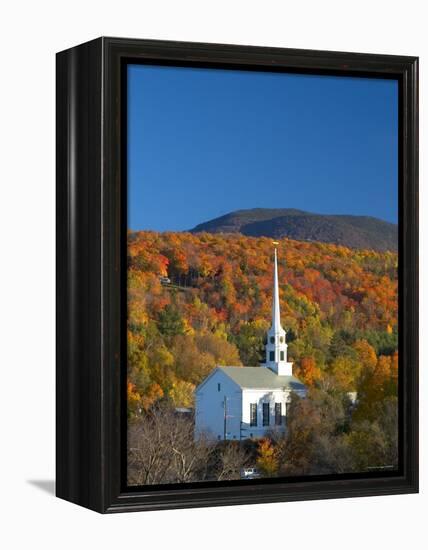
(325, 435)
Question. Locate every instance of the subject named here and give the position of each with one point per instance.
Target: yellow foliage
(182, 393)
(267, 457)
(366, 354)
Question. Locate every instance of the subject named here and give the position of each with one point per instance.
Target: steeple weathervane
(276, 347)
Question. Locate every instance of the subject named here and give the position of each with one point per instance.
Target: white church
(238, 403)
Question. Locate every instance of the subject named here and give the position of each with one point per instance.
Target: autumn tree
(152, 394)
(376, 385)
(308, 371)
(223, 352)
(267, 457)
(182, 393)
(190, 364)
(346, 372)
(134, 400)
(366, 355)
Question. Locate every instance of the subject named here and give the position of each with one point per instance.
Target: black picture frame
(91, 293)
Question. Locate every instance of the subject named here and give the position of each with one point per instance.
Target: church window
(219, 387)
(265, 414)
(253, 414)
(278, 414)
(272, 339)
(271, 356)
(281, 356)
(281, 339)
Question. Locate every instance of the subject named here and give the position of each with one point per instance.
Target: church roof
(261, 378)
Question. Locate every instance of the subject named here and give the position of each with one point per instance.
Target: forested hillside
(339, 307)
(201, 300)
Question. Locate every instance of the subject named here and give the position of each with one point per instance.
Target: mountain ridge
(352, 231)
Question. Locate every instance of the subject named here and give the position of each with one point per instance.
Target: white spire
(276, 346)
(276, 317)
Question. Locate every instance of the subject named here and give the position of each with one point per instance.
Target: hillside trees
(339, 307)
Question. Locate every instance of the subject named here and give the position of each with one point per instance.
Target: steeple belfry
(276, 346)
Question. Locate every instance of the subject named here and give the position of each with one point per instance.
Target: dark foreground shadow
(46, 485)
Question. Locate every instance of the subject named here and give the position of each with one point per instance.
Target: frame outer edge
(88, 271)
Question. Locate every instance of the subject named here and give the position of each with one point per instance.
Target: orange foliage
(233, 275)
(221, 285)
(307, 371)
(153, 393)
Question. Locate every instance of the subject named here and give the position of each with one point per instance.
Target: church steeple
(276, 317)
(276, 346)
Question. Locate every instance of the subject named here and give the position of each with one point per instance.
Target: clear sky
(205, 142)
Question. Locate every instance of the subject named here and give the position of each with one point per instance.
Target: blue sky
(204, 142)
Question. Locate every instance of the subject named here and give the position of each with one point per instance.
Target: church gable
(216, 377)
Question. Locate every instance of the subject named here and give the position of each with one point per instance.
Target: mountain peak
(347, 230)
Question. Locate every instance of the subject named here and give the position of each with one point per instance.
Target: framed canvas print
(237, 277)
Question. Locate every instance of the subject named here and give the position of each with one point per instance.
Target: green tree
(341, 345)
(383, 342)
(249, 341)
(170, 322)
